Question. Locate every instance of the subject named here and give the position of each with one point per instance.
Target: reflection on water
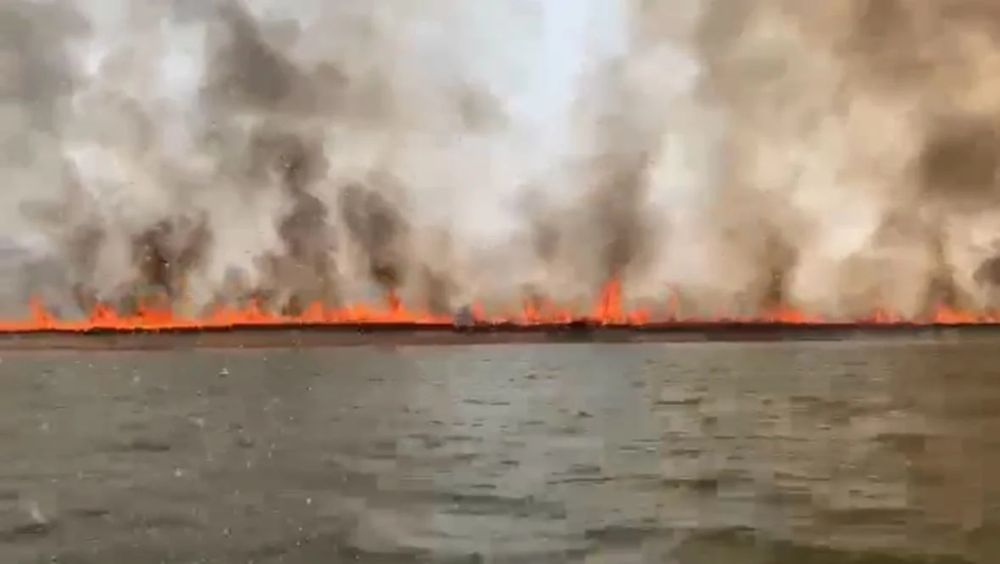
(869, 451)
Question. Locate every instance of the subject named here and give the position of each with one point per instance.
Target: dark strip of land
(268, 336)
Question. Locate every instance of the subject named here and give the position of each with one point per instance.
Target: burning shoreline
(608, 315)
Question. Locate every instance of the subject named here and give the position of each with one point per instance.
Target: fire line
(607, 312)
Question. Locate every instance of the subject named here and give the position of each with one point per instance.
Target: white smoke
(743, 156)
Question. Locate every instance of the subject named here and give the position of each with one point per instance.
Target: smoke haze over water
(837, 157)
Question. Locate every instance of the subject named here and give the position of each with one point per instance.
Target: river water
(866, 451)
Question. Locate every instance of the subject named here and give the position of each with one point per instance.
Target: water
(871, 451)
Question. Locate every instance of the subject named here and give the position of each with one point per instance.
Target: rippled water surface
(871, 451)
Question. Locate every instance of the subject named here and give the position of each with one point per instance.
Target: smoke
(741, 156)
(859, 154)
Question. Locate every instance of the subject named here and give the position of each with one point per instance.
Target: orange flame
(610, 309)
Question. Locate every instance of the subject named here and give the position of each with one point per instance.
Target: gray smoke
(859, 155)
(837, 157)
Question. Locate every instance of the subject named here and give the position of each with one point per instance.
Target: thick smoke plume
(836, 157)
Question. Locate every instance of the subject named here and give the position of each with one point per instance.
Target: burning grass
(609, 311)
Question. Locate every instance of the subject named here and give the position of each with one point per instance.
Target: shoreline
(284, 336)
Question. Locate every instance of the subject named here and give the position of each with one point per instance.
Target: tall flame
(610, 309)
